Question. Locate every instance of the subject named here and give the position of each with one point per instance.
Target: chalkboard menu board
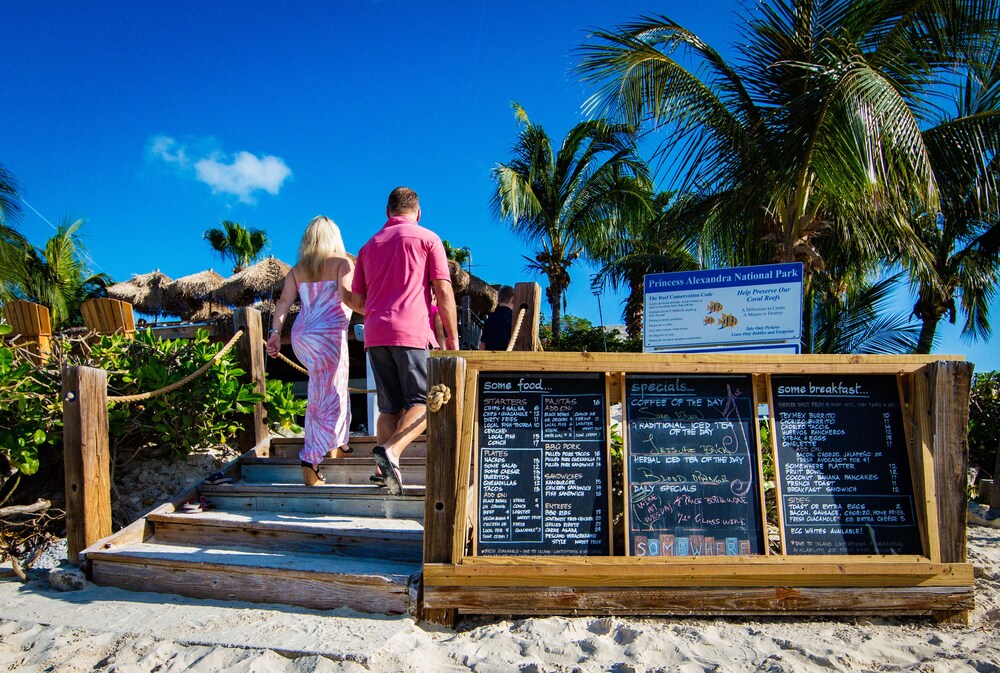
(843, 466)
(542, 465)
(692, 466)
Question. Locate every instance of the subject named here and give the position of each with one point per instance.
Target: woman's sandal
(320, 479)
(390, 470)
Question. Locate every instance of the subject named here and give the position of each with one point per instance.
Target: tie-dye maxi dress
(319, 339)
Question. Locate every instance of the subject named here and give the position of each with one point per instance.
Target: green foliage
(984, 421)
(203, 412)
(30, 410)
(579, 334)
(283, 407)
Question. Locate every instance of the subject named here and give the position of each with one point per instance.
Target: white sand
(101, 629)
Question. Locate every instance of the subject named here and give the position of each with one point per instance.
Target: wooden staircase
(268, 538)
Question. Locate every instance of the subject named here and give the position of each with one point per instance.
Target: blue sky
(155, 121)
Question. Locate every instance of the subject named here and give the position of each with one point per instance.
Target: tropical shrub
(203, 412)
(984, 421)
(579, 334)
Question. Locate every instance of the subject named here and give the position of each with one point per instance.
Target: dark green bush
(984, 421)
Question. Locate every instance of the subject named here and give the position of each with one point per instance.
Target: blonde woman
(319, 339)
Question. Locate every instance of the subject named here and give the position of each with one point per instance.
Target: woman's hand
(273, 344)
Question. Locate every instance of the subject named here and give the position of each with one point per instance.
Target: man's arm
(353, 300)
(446, 309)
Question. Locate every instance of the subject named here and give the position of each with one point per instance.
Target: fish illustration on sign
(714, 307)
(709, 320)
(727, 320)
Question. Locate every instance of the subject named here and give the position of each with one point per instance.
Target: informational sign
(542, 465)
(843, 466)
(692, 466)
(723, 307)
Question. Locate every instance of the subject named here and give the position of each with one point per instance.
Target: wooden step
(391, 539)
(336, 471)
(346, 500)
(318, 581)
(289, 447)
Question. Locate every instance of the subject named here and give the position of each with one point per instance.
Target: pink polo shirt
(394, 271)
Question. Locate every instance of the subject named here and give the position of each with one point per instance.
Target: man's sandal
(390, 470)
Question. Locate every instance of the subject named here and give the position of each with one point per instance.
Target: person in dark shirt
(496, 329)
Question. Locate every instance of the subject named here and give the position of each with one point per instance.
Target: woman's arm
(288, 294)
(345, 276)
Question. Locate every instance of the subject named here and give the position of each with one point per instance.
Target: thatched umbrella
(190, 296)
(482, 296)
(262, 280)
(459, 276)
(144, 291)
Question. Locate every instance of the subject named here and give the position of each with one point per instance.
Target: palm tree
(56, 276)
(654, 241)
(558, 198)
(812, 142)
(857, 317)
(963, 263)
(238, 244)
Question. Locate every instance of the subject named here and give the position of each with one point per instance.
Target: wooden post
(86, 458)
(950, 384)
(250, 351)
(529, 296)
(444, 431)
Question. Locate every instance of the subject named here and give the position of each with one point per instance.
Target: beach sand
(102, 629)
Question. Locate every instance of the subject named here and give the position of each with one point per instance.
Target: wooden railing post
(529, 296)
(444, 432)
(86, 458)
(250, 351)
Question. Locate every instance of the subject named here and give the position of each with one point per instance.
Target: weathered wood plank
(391, 539)
(950, 383)
(529, 297)
(86, 458)
(720, 601)
(687, 363)
(250, 352)
(317, 591)
(636, 571)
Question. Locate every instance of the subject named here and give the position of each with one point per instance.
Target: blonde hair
(320, 242)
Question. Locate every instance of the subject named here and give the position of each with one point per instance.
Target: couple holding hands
(397, 273)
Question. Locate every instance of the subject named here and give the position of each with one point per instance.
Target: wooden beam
(250, 351)
(742, 601)
(86, 458)
(757, 571)
(950, 383)
(529, 297)
(443, 433)
(688, 363)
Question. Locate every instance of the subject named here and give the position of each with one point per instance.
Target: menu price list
(843, 467)
(542, 465)
(691, 461)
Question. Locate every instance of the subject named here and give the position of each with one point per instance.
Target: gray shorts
(400, 377)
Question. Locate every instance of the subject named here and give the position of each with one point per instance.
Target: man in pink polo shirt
(396, 271)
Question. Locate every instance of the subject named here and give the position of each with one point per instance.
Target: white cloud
(169, 150)
(240, 174)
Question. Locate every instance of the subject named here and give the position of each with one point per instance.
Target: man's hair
(506, 294)
(403, 200)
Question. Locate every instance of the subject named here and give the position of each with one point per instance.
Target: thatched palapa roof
(144, 291)
(191, 296)
(262, 280)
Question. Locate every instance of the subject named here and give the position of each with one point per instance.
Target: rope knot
(438, 396)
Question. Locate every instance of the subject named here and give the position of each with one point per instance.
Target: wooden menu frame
(938, 582)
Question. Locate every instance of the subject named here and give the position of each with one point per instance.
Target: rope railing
(517, 328)
(298, 367)
(184, 381)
